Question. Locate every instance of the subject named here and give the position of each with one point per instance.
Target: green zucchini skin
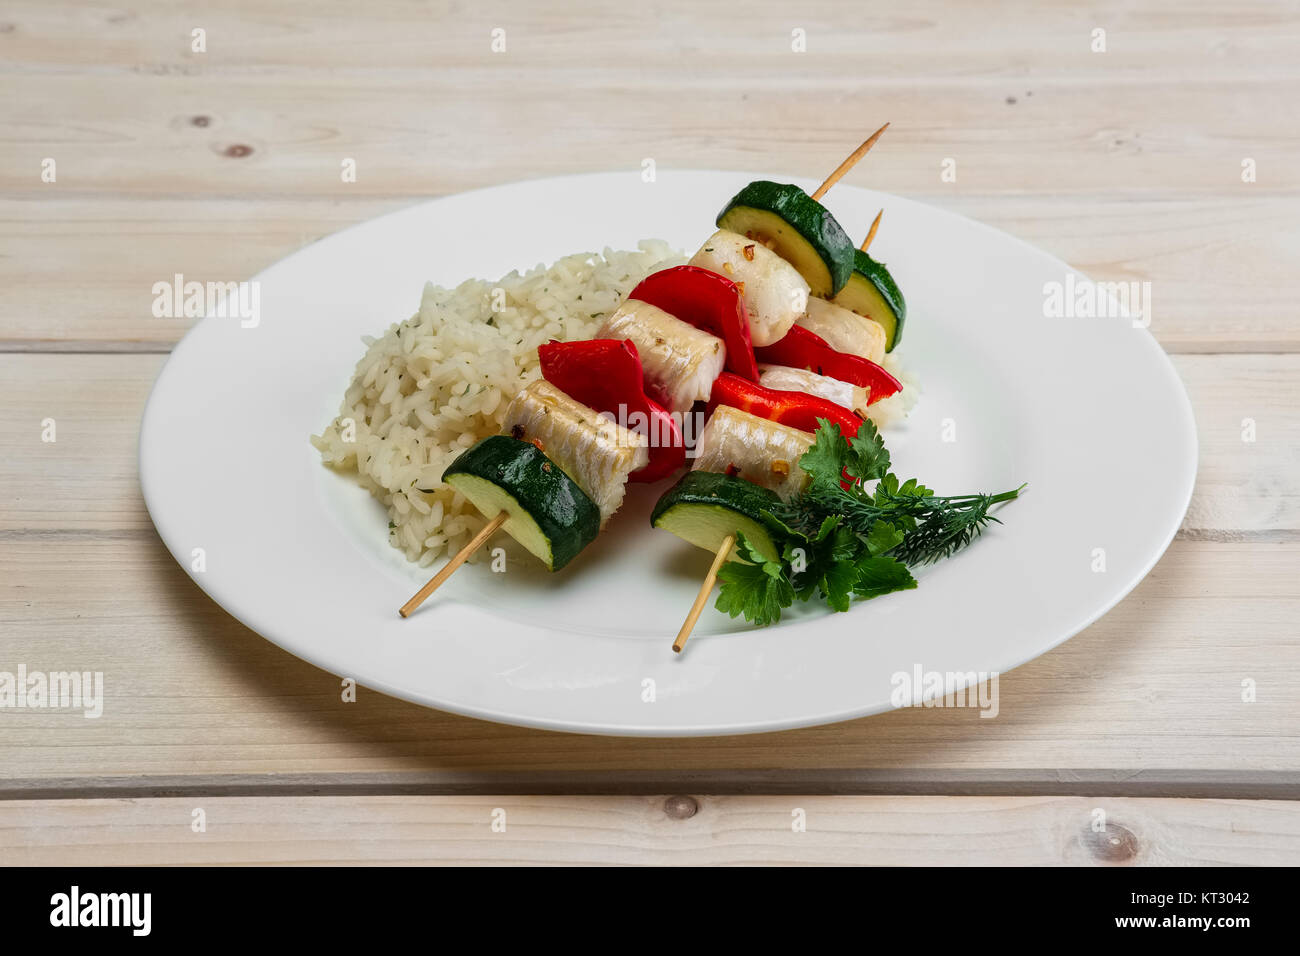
(705, 506)
(549, 514)
(872, 291)
(814, 243)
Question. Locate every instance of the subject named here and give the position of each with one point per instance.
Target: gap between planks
(1188, 784)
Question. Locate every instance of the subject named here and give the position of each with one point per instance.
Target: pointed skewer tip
(456, 561)
(875, 224)
(702, 598)
(849, 163)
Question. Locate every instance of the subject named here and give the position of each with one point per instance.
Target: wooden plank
(118, 249)
(932, 38)
(661, 831)
(272, 134)
(1157, 683)
(124, 104)
(1221, 270)
(1248, 482)
(86, 480)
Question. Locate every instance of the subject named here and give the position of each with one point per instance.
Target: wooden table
(1127, 163)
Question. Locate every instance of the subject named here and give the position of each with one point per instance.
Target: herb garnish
(840, 540)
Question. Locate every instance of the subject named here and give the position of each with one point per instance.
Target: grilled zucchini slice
(705, 506)
(872, 291)
(549, 514)
(797, 228)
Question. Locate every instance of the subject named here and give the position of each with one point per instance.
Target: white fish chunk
(844, 330)
(786, 379)
(775, 294)
(680, 361)
(592, 449)
(767, 453)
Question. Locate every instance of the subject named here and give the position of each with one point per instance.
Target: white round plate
(1088, 411)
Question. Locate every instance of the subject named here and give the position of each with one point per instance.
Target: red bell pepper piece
(796, 409)
(606, 375)
(807, 350)
(708, 301)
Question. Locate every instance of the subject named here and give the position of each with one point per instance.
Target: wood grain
(1222, 271)
(653, 830)
(933, 39)
(86, 481)
(1127, 164)
(1171, 108)
(192, 692)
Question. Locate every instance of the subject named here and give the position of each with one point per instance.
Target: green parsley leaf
(826, 459)
(744, 549)
(829, 524)
(914, 487)
(845, 544)
(883, 537)
(774, 523)
(758, 591)
(882, 574)
(838, 583)
(869, 458)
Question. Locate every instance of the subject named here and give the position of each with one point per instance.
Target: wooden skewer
(702, 598)
(872, 234)
(849, 163)
(437, 580)
(711, 578)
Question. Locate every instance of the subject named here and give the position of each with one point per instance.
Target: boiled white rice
(432, 386)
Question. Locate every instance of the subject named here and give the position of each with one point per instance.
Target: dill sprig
(934, 526)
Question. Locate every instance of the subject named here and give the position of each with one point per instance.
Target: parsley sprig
(839, 540)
